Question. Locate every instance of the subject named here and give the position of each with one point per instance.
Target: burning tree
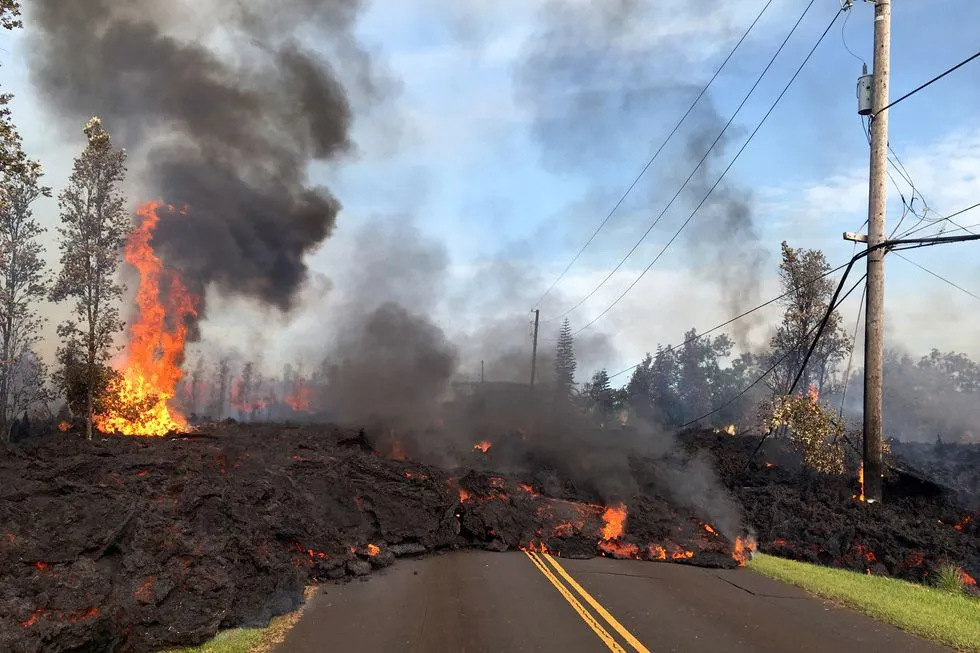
(23, 284)
(94, 227)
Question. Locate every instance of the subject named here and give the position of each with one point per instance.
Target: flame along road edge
(541, 561)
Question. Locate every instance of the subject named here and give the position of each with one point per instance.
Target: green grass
(251, 640)
(949, 618)
(240, 640)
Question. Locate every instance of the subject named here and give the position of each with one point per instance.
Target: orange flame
(64, 426)
(861, 481)
(744, 547)
(463, 495)
(620, 549)
(483, 446)
(613, 520)
(966, 520)
(967, 578)
(708, 528)
(140, 397)
(373, 550)
(300, 397)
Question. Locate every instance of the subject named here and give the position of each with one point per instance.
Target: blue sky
(507, 161)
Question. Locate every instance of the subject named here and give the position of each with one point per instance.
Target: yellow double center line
(545, 563)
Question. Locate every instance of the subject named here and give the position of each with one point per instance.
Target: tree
(94, 227)
(699, 372)
(565, 362)
(639, 390)
(12, 158)
(217, 407)
(23, 284)
(664, 395)
(605, 399)
(803, 277)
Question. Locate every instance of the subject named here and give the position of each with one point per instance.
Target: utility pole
(875, 309)
(481, 373)
(534, 345)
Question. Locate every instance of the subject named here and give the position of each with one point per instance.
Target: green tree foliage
(94, 227)
(933, 398)
(12, 157)
(815, 430)
(23, 285)
(801, 275)
(605, 401)
(565, 362)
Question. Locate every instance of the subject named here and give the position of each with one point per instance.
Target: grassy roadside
(944, 617)
(252, 640)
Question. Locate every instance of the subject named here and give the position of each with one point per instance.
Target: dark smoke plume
(227, 110)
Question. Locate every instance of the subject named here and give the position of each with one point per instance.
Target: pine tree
(94, 228)
(565, 362)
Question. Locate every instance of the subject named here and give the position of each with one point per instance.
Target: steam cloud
(227, 110)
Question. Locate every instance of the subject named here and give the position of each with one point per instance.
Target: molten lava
(139, 399)
(483, 446)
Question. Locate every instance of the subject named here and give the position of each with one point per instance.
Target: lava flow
(139, 398)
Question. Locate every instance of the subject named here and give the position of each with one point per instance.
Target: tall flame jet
(140, 397)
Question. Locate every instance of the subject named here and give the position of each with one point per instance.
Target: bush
(815, 430)
(949, 578)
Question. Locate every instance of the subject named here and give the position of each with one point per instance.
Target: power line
(656, 154)
(704, 158)
(891, 245)
(949, 218)
(738, 317)
(941, 278)
(930, 82)
(717, 182)
(815, 330)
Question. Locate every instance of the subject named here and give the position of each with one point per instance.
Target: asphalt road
(481, 602)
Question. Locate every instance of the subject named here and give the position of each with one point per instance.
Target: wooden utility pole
(481, 373)
(874, 349)
(534, 346)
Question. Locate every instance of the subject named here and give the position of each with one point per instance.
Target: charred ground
(139, 544)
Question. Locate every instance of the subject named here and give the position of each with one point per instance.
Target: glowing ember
(966, 520)
(373, 550)
(140, 397)
(35, 616)
(613, 520)
(64, 426)
(483, 446)
(463, 495)
(708, 528)
(744, 547)
(41, 566)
